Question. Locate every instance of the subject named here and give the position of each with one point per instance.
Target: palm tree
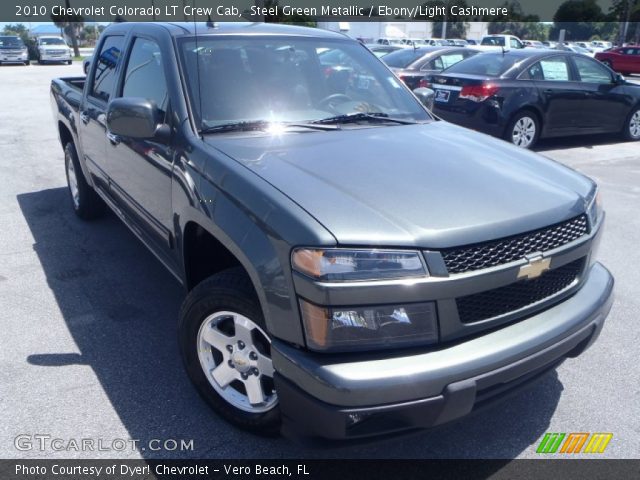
(70, 24)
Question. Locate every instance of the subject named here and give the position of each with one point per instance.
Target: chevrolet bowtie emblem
(535, 268)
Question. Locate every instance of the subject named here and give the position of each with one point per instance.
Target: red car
(625, 60)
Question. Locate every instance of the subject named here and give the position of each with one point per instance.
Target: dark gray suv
(354, 266)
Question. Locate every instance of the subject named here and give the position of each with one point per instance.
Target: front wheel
(27, 62)
(523, 130)
(69, 62)
(227, 351)
(632, 126)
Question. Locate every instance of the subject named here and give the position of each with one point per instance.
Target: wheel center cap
(241, 361)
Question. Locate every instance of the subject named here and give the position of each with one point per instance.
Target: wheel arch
(207, 249)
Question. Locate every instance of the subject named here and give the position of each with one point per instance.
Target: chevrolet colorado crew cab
(355, 266)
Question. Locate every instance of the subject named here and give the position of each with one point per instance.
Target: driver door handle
(113, 138)
(84, 116)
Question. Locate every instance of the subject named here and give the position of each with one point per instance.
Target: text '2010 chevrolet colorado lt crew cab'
(355, 267)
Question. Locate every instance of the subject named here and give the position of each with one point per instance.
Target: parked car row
(418, 42)
(524, 95)
(45, 49)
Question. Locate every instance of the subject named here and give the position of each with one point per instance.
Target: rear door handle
(84, 116)
(113, 138)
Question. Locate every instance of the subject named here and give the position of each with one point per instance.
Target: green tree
(17, 29)
(72, 25)
(579, 18)
(455, 28)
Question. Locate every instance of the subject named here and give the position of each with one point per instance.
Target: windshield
(235, 79)
(489, 64)
(403, 58)
(52, 41)
(11, 42)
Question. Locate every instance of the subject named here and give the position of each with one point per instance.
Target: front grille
(55, 52)
(498, 252)
(512, 297)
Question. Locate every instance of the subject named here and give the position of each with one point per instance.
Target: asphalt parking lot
(89, 318)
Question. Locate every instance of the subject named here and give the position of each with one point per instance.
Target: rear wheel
(27, 62)
(85, 201)
(523, 130)
(227, 351)
(632, 126)
(69, 62)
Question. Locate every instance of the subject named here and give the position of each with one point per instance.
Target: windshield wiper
(360, 116)
(246, 126)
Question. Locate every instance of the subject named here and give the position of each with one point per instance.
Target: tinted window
(496, 41)
(105, 73)
(591, 72)
(144, 76)
(491, 64)
(403, 58)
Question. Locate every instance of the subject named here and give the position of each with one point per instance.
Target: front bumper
(13, 57)
(47, 57)
(336, 397)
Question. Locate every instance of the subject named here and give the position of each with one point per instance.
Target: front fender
(257, 224)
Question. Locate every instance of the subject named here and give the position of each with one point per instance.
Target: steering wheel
(331, 100)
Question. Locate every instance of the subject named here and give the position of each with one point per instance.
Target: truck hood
(432, 185)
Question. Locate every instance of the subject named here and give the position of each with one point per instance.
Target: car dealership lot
(89, 322)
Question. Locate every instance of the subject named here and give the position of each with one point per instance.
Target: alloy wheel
(634, 125)
(234, 353)
(524, 132)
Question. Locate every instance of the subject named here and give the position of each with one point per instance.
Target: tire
(69, 62)
(523, 129)
(27, 63)
(85, 201)
(40, 62)
(631, 130)
(224, 310)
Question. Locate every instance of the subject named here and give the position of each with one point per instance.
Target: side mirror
(618, 79)
(136, 118)
(426, 96)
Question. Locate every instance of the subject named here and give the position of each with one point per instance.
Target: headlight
(341, 265)
(369, 327)
(594, 207)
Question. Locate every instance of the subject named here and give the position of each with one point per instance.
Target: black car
(523, 95)
(411, 64)
(382, 50)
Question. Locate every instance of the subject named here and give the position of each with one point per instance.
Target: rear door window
(144, 76)
(106, 66)
(555, 69)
